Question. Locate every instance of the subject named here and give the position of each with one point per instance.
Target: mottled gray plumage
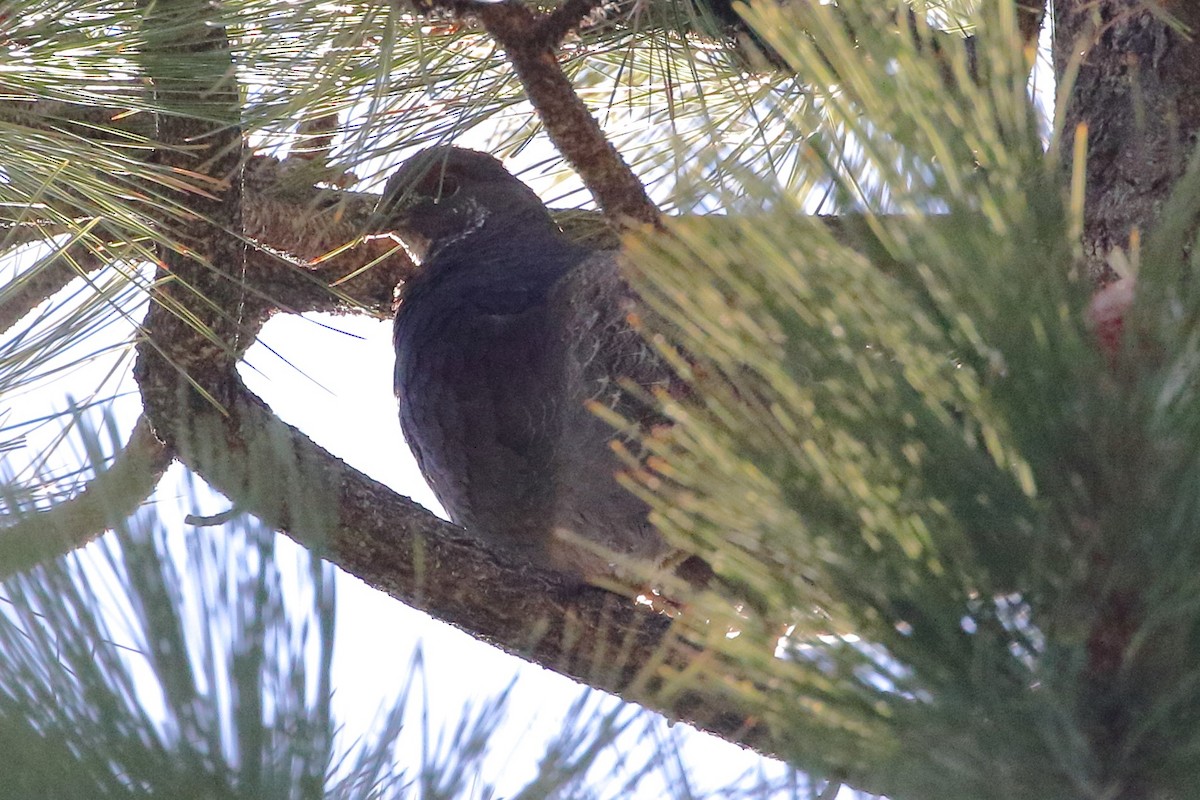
(503, 337)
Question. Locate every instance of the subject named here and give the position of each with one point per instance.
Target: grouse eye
(438, 184)
(447, 188)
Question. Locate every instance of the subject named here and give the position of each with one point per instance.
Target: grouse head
(445, 195)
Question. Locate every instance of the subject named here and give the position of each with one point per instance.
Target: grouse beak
(387, 217)
(388, 221)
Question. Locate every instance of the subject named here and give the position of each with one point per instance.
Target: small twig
(1030, 14)
(1029, 24)
(832, 790)
(213, 520)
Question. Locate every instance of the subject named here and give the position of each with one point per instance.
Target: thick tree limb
(107, 500)
(275, 472)
(297, 230)
(34, 286)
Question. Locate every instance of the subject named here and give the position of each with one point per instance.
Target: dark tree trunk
(1136, 97)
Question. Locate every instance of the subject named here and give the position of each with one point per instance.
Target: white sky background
(339, 392)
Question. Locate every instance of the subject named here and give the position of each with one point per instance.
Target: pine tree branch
(87, 121)
(32, 287)
(312, 226)
(274, 471)
(107, 500)
(530, 43)
(307, 224)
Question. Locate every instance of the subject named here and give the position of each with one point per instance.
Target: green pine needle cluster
(954, 541)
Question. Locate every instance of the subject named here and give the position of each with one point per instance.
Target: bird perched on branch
(505, 339)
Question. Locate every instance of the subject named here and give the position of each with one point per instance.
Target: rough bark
(1138, 99)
